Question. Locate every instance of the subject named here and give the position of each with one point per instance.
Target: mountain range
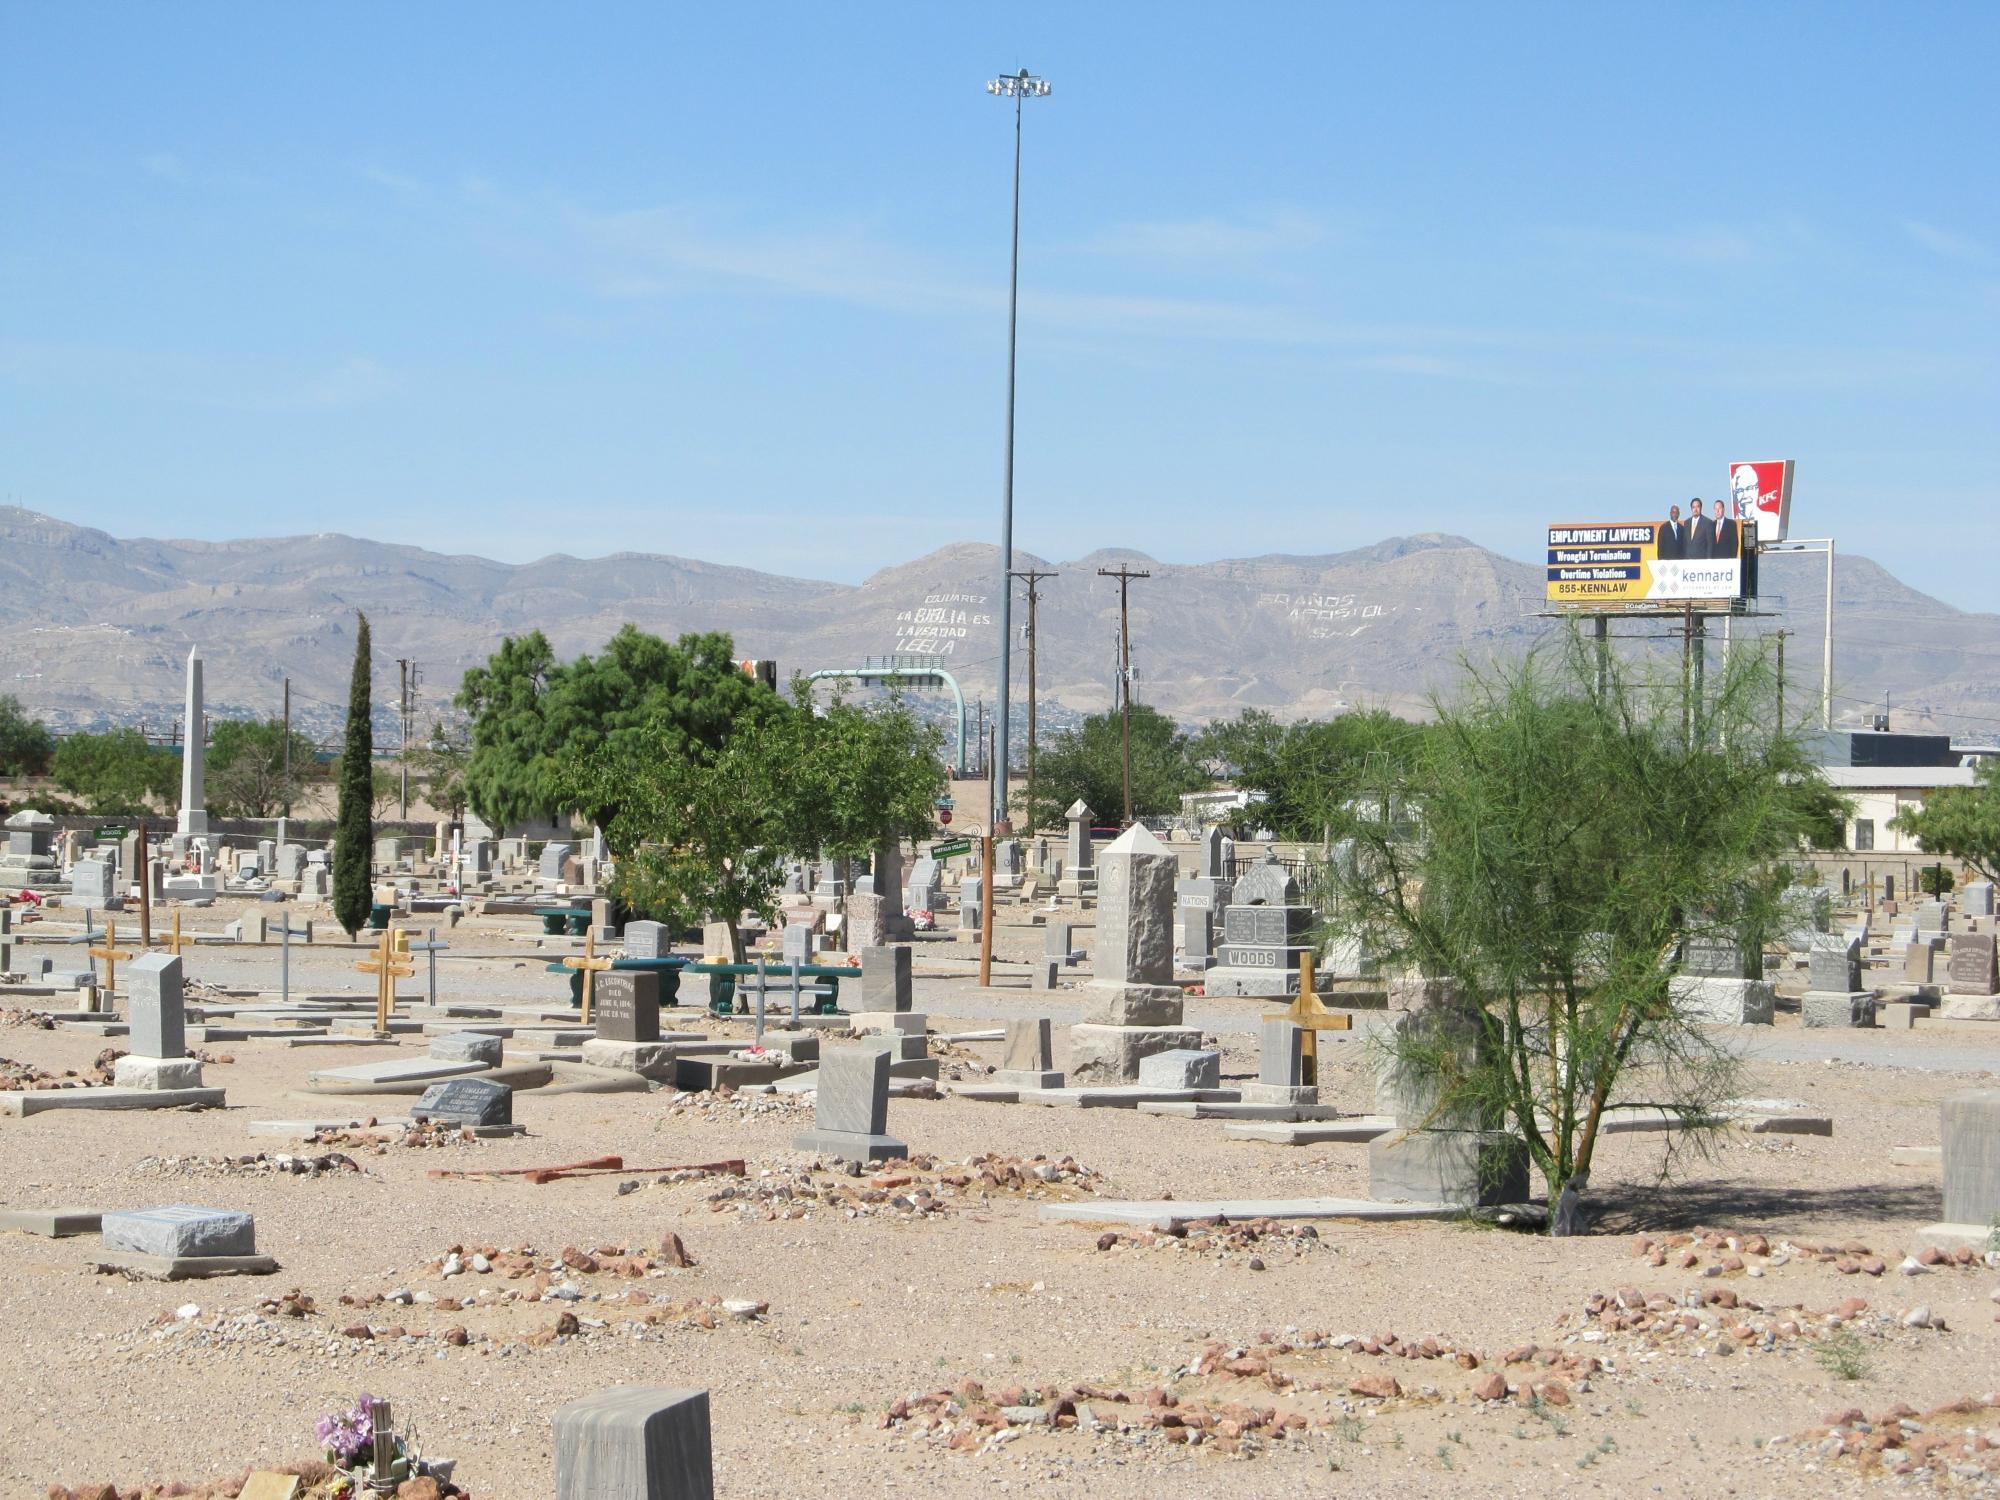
(94, 629)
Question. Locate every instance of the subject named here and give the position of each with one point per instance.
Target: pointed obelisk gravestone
(1079, 875)
(1132, 1008)
(194, 811)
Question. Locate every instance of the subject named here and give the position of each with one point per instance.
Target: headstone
(267, 856)
(1212, 840)
(1059, 941)
(1920, 960)
(718, 939)
(875, 914)
(647, 940)
(1972, 965)
(466, 1101)
(625, 1005)
(93, 885)
(1079, 858)
(831, 887)
(314, 883)
(1045, 974)
(387, 851)
(1266, 930)
(193, 819)
(1181, 1068)
(851, 1115)
(634, 1442)
(1027, 1058)
(1931, 916)
(1712, 956)
(1971, 1139)
(180, 1231)
(291, 861)
(467, 1046)
(885, 978)
(1835, 964)
(925, 891)
(971, 903)
(553, 855)
(796, 944)
(6, 940)
(795, 879)
(1824, 1008)
(30, 862)
(1197, 938)
(154, 1007)
(1975, 898)
(1132, 1009)
(1281, 1054)
(1007, 864)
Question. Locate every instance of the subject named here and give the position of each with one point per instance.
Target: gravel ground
(868, 1305)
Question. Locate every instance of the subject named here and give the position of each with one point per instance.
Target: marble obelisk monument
(194, 815)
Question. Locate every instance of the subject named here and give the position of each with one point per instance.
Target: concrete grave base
(1916, 1156)
(1901, 1016)
(1837, 1009)
(1285, 1095)
(1111, 1054)
(849, 1146)
(52, 1223)
(1025, 1078)
(156, 1073)
(1132, 1004)
(914, 1021)
(1243, 1110)
(1949, 1236)
(1725, 1002)
(1462, 1168)
(1230, 981)
(1355, 1130)
(184, 1267)
(1969, 1008)
(39, 1101)
(1181, 1070)
(648, 1059)
(1129, 1096)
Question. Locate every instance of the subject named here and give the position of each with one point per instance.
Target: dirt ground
(867, 1304)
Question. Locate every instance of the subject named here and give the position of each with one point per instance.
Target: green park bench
(556, 920)
(819, 983)
(669, 970)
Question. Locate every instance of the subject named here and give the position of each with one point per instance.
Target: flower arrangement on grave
(348, 1440)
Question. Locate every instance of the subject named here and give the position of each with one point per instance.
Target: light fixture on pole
(1019, 87)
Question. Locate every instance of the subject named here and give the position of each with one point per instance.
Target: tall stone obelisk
(194, 816)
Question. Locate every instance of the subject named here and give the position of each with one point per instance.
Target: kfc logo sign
(1763, 492)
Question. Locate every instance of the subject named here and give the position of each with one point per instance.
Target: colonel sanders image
(1743, 490)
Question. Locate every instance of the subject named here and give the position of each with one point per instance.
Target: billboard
(1764, 490)
(1609, 564)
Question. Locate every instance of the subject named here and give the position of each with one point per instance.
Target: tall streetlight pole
(1019, 87)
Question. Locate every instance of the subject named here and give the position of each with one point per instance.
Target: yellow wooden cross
(111, 955)
(387, 965)
(175, 943)
(1309, 1013)
(590, 965)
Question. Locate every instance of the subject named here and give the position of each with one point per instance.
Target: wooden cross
(590, 965)
(111, 955)
(387, 965)
(175, 943)
(1310, 1014)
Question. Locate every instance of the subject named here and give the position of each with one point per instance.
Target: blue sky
(729, 282)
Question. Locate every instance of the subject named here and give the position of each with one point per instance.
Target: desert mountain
(94, 629)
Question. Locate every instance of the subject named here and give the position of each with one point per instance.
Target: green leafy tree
(117, 772)
(439, 761)
(245, 771)
(1306, 769)
(1088, 762)
(529, 711)
(354, 826)
(26, 746)
(852, 776)
(1962, 821)
(1561, 845)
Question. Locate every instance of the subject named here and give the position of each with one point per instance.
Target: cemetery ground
(867, 1334)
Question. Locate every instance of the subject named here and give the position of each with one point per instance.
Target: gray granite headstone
(971, 898)
(625, 1005)
(1972, 964)
(1835, 964)
(796, 944)
(179, 1231)
(1058, 941)
(1281, 1054)
(1181, 1068)
(634, 1443)
(466, 1101)
(1706, 956)
(93, 884)
(1029, 1047)
(1266, 883)
(647, 940)
(1920, 959)
(154, 1007)
(551, 866)
(1212, 841)
(885, 978)
(1975, 898)
(851, 1115)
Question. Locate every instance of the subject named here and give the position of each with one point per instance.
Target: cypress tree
(354, 828)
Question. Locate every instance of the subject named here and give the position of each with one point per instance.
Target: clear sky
(730, 281)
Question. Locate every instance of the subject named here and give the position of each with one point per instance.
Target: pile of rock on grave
(1959, 1441)
(909, 1187)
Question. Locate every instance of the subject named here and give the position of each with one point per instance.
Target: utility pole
(403, 749)
(1781, 679)
(1030, 577)
(288, 747)
(1125, 575)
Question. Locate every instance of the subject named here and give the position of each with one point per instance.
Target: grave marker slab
(180, 1230)
(1972, 967)
(627, 1006)
(634, 1443)
(466, 1101)
(851, 1114)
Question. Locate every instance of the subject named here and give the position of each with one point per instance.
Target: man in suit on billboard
(1672, 539)
(1700, 535)
(1722, 533)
